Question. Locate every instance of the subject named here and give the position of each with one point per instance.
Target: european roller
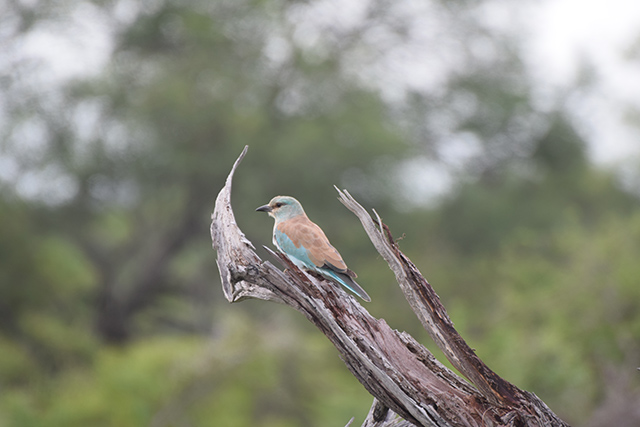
(306, 245)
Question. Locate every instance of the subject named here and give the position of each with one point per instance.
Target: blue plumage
(306, 245)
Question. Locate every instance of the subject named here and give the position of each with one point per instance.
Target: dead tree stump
(402, 375)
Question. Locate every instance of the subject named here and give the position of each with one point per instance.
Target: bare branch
(427, 306)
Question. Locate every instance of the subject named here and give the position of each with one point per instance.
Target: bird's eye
(277, 205)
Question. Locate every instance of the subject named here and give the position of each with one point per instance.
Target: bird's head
(282, 208)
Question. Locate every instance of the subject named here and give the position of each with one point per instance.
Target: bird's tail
(350, 284)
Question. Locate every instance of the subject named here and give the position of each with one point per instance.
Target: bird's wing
(306, 234)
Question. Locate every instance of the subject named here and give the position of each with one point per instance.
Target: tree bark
(402, 375)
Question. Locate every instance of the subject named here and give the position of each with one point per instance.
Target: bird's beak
(265, 208)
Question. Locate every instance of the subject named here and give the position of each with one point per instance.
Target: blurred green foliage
(110, 309)
(265, 374)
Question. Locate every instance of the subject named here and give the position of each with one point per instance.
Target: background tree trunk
(402, 375)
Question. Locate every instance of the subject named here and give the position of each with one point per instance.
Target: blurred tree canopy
(110, 306)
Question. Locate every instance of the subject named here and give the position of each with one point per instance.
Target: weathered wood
(402, 375)
(427, 306)
(381, 416)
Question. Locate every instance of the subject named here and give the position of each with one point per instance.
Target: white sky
(79, 47)
(601, 31)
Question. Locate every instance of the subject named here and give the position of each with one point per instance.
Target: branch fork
(402, 375)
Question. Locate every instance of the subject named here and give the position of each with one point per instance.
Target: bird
(306, 245)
